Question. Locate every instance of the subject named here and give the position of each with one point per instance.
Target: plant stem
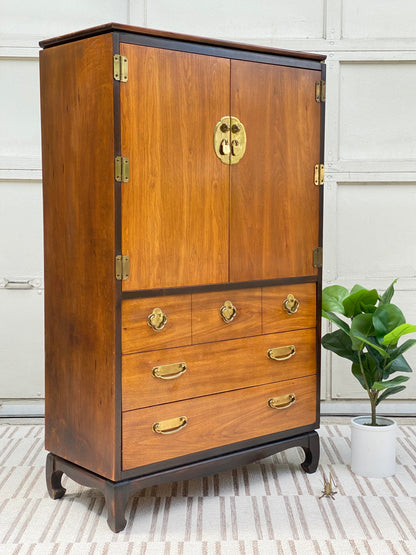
(372, 395)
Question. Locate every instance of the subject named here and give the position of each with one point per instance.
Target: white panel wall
(370, 186)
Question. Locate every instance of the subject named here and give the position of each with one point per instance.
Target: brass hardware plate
(121, 68)
(319, 175)
(320, 91)
(121, 169)
(170, 426)
(230, 140)
(122, 267)
(157, 319)
(169, 371)
(290, 304)
(281, 353)
(282, 402)
(228, 312)
(317, 257)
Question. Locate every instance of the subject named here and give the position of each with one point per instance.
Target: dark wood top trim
(110, 27)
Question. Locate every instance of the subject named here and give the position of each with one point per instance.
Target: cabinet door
(274, 201)
(175, 207)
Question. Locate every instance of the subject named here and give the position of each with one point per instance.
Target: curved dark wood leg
(311, 449)
(53, 478)
(116, 497)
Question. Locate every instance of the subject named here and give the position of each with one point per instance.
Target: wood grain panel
(176, 204)
(274, 202)
(79, 226)
(137, 335)
(275, 317)
(215, 367)
(216, 420)
(207, 323)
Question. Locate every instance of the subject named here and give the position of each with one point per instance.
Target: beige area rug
(269, 507)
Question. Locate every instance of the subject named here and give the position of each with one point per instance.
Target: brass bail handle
(169, 371)
(290, 304)
(228, 312)
(157, 319)
(281, 353)
(282, 402)
(170, 426)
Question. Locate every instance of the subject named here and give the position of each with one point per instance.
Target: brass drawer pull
(282, 402)
(290, 304)
(228, 312)
(157, 319)
(281, 353)
(170, 426)
(169, 371)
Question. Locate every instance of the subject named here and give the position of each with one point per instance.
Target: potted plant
(369, 329)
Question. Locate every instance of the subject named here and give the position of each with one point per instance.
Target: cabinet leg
(53, 478)
(311, 449)
(116, 497)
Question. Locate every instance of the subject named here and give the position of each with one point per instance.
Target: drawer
(215, 420)
(276, 318)
(215, 367)
(138, 335)
(223, 315)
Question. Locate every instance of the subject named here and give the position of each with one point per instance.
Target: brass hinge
(122, 267)
(317, 257)
(121, 68)
(320, 91)
(319, 174)
(121, 169)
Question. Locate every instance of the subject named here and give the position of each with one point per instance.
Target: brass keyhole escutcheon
(290, 304)
(157, 319)
(228, 312)
(230, 140)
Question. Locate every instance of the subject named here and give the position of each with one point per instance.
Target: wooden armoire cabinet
(182, 183)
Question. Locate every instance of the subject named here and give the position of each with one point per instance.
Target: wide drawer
(172, 323)
(176, 429)
(157, 377)
(289, 307)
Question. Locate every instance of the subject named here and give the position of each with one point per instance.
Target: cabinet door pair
(188, 217)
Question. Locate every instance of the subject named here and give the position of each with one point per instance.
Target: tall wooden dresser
(182, 184)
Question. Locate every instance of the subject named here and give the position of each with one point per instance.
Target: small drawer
(155, 323)
(289, 307)
(158, 377)
(226, 315)
(173, 430)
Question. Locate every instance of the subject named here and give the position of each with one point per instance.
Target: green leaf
(390, 383)
(394, 335)
(400, 350)
(386, 318)
(334, 318)
(340, 344)
(370, 370)
(371, 342)
(361, 300)
(362, 323)
(332, 297)
(399, 364)
(388, 293)
(390, 391)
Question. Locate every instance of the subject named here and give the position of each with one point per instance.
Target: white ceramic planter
(373, 448)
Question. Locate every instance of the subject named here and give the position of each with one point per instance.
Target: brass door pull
(157, 319)
(170, 426)
(282, 402)
(281, 353)
(290, 304)
(230, 140)
(228, 312)
(169, 371)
